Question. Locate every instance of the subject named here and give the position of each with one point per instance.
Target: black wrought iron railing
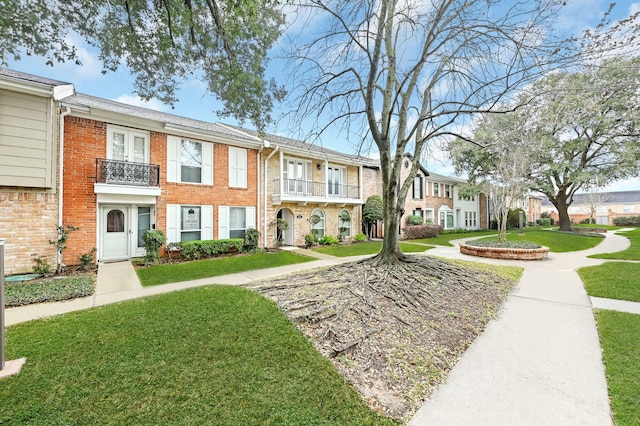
(314, 189)
(127, 173)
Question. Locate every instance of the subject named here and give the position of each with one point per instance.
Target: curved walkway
(539, 362)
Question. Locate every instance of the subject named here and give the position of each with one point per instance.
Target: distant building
(606, 205)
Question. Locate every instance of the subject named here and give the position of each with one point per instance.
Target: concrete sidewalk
(539, 362)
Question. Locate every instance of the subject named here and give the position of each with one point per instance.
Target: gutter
(266, 144)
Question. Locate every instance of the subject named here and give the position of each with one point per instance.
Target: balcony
(115, 177)
(303, 192)
(127, 173)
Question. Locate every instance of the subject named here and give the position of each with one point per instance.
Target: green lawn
(558, 242)
(370, 247)
(619, 333)
(612, 280)
(632, 253)
(586, 225)
(444, 239)
(212, 355)
(176, 272)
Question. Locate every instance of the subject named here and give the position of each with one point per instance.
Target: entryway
(287, 235)
(121, 228)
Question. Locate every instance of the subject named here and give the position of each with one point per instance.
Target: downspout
(63, 114)
(266, 145)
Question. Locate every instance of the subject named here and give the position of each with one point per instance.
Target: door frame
(132, 228)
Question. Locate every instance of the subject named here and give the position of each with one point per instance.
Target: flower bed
(518, 251)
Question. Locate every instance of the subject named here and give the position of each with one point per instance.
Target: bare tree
(592, 200)
(407, 72)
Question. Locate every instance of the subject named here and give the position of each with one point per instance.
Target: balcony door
(127, 145)
(297, 174)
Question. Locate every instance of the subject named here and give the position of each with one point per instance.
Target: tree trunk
(390, 252)
(560, 203)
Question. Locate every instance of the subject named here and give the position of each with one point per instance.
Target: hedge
(419, 232)
(192, 250)
(627, 221)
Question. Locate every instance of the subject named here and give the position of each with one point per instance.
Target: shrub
(587, 221)
(192, 250)
(49, 290)
(86, 259)
(544, 221)
(547, 215)
(414, 220)
(309, 240)
(513, 218)
(42, 266)
(251, 240)
(360, 237)
(153, 240)
(503, 244)
(61, 242)
(421, 231)
(627, 221)
(328, 240)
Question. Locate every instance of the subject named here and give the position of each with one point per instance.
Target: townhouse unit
(436, 198)
(314, 190)
(30, 207)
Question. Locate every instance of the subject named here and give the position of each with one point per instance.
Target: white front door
(115, 232)
(287, 236)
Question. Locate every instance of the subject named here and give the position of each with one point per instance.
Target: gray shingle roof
(614, 197)
(31, 78)
(306, 147)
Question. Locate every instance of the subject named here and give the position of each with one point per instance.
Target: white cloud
(137, 101)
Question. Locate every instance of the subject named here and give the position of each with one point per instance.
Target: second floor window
(447, 191)
(336, 177)
(417, 187)
(191, 161)
(436, 189)
(237, 167)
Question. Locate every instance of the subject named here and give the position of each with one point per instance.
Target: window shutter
(206, 222)
(207, 163)
(173, 159)
(233, 175)
(242, 167)
(173, 223)
(250, 217)
(223, 222)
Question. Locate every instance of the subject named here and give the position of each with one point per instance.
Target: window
(428, 218)
(189, 161)
(336, 179)
(144, 224)
(436, 189)
(297, 176)
(417, 187)
(317, 223)
(446, 219)
(237, 167)
(417, 212)
(470, 219)
(233, 222)
(190, 224)
(344, 223)
(115, 221)
(447, 191)
(629, 208)
(127, 145)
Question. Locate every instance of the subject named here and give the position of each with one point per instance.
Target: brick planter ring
(506, 253)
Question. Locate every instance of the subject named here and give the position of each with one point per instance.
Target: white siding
(26, 141)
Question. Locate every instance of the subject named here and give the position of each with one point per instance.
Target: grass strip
(612, 280)
(177, 272)
(619, 333)
(212, 355)
(370, 247)
(632, 253)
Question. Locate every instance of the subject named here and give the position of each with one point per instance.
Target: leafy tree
(498, 163)
(223, 42)
(372, 212)
(585, 129)
(407, 73)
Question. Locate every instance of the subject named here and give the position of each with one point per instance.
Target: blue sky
(195, 102)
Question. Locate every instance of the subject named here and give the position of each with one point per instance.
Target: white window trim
(238, 170)
(128, 134)
(224, 224)
(173, 221)
(174, 147)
